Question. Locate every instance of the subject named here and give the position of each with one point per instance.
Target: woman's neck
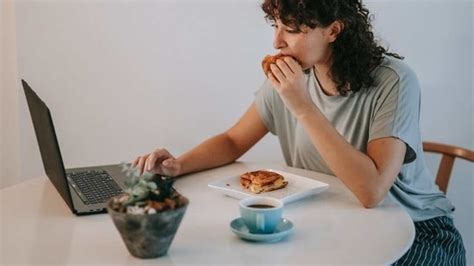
(322, 74)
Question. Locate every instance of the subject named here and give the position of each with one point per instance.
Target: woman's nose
(278, 41)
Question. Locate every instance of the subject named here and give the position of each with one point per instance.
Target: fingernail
(166, 163)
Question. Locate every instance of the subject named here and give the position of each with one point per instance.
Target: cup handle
(260, 222)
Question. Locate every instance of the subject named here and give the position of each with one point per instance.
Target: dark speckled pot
(148, 235)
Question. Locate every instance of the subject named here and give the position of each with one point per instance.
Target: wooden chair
(447, 160)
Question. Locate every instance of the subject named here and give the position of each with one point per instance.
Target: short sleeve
(397, 112)
(264, 99)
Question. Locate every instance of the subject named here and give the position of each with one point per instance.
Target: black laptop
(85, 190)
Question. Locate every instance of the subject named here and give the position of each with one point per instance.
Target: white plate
(298, 187)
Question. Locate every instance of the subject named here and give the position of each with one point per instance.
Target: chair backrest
(447, 160)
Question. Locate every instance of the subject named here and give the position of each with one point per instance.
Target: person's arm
(369, 176)
(225, 147)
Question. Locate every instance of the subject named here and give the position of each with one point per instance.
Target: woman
(339, 104)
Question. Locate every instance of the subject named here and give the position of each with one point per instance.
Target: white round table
(330, 228)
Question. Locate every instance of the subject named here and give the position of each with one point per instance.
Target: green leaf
(152, 185)
(148, 186)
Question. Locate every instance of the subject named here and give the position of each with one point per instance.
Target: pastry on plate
(262, 181)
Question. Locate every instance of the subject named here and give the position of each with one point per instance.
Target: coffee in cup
(261, 214)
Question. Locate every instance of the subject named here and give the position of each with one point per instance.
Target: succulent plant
(147, 193)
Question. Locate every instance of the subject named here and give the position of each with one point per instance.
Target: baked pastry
(268, 60)
(262, 181)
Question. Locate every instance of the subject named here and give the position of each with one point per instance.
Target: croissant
(270, 59)
(262, 181)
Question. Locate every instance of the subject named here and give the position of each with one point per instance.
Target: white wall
(122, 78)
(9, 107)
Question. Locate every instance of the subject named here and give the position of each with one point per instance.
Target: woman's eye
(292, 31)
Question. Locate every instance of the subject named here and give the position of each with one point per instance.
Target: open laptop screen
(48, 143)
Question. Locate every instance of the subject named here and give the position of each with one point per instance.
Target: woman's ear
(333, 30)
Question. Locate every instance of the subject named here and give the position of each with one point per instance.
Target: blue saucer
(283, 229)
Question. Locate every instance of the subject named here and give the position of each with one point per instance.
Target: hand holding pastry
(287, 77)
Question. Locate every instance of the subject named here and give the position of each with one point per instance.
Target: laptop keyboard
(95, 186)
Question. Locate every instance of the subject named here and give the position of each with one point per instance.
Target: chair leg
(444, 172)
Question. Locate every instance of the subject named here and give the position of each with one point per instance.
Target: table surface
(332, 227)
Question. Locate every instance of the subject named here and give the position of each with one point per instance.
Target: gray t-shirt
(390, 108)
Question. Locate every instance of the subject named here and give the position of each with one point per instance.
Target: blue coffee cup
(261, 214)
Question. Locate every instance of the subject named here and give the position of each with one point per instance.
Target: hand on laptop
(160, 161)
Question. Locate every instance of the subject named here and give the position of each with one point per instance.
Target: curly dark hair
(355, 51)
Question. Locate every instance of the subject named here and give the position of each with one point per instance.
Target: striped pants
(437, 242)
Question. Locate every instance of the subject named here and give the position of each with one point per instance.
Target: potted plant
(148, 214)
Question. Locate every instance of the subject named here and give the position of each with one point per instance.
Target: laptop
(85, 190)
